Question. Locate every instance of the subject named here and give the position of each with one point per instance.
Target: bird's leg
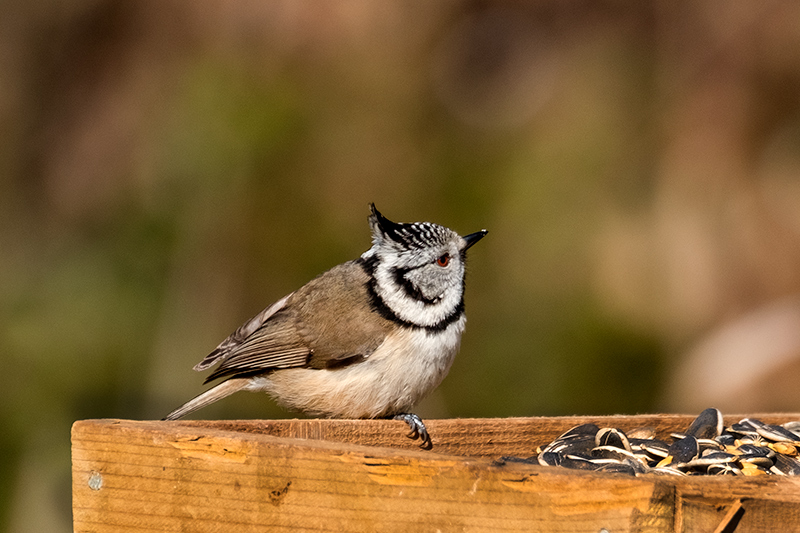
(418, 430)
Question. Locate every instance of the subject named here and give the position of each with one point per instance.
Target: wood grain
(346, 475)
(472, 437)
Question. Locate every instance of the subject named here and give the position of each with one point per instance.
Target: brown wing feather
(274, 345)
(343, 329)
(326, 323)
(227, 347)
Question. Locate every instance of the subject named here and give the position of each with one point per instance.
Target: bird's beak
(472, 238)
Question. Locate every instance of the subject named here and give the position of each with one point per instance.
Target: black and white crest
(415, 236)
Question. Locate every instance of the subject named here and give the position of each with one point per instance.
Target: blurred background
(168, 169)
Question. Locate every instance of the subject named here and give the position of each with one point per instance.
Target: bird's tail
(226, 388)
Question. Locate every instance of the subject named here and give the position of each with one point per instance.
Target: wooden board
(342, 475)
(472, 437)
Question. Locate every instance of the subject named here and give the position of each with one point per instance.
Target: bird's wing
(343, 329)
(327, 323)
(274, 345)
(235, 340)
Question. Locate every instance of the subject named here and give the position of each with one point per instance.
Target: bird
(366, 339)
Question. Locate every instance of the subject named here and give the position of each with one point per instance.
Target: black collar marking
(379, 306)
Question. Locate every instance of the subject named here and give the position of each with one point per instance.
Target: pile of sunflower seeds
(749, 448)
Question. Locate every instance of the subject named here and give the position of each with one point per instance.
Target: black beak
(472, 238)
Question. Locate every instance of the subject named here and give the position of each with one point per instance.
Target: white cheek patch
(412, 310)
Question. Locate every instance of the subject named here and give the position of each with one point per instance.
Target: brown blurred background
(167, 169)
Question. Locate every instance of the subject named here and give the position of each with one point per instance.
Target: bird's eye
(443, 260)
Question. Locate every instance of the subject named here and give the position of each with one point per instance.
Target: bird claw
(418, 429)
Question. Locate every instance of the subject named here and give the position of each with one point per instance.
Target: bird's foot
(418, 430)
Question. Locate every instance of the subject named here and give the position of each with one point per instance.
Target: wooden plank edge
(478, 437)
(155, 476)
(652, 499)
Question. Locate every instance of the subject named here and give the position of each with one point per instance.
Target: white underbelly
(404, 369)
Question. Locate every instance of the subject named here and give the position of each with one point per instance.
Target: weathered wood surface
(473, 437)
(341, 475)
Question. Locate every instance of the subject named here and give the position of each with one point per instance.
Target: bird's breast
(408, 365)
